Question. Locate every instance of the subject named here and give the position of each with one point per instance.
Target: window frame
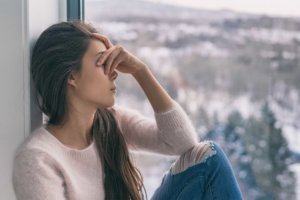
(75, 10)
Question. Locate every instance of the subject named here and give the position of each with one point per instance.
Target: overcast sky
(272, 7)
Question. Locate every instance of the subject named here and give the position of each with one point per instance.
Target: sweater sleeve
(170, 133)
(35, 177)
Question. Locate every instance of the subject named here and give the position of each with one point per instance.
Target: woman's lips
(114, 89)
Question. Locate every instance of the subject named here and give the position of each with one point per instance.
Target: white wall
(21, 22)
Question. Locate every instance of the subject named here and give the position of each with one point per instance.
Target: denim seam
(209, 186)
(210, 189)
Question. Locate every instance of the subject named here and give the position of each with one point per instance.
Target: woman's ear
(72, 79)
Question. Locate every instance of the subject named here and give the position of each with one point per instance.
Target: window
(75, 9)
(235, 74)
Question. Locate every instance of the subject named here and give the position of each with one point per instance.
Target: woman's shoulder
(31, 162)
(35, 144)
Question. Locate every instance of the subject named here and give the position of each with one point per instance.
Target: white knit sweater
(45, 169)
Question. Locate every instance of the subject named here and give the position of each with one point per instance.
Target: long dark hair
(58, 52)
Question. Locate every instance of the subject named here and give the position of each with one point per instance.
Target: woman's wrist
(141, 70)
(157, 96)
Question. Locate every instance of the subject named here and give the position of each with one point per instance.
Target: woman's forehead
(96, 47)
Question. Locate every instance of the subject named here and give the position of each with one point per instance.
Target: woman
(82, 150)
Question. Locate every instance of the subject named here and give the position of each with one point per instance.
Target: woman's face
(92, 85)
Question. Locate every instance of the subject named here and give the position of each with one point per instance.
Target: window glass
(236, 74)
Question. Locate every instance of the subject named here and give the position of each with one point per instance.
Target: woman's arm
(171, 132)
(117, 57)
(158, 97)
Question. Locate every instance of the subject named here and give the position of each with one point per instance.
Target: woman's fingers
(113, 75)
(103, 56)
(104, 39)
(111, 58)
(116, 62)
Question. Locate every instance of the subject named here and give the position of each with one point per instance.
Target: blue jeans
(211, 179)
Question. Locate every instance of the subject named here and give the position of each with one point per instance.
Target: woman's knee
(197, 154)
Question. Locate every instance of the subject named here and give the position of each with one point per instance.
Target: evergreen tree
(229, 137)
(283, 181)
(270, 156)
(259, 154)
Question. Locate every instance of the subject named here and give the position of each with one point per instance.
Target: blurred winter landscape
(237, 76)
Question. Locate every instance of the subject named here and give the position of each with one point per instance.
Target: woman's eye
(101, 66)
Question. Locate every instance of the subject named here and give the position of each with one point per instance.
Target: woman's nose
(113, 75)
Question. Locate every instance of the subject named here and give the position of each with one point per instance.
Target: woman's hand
(117, 57)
